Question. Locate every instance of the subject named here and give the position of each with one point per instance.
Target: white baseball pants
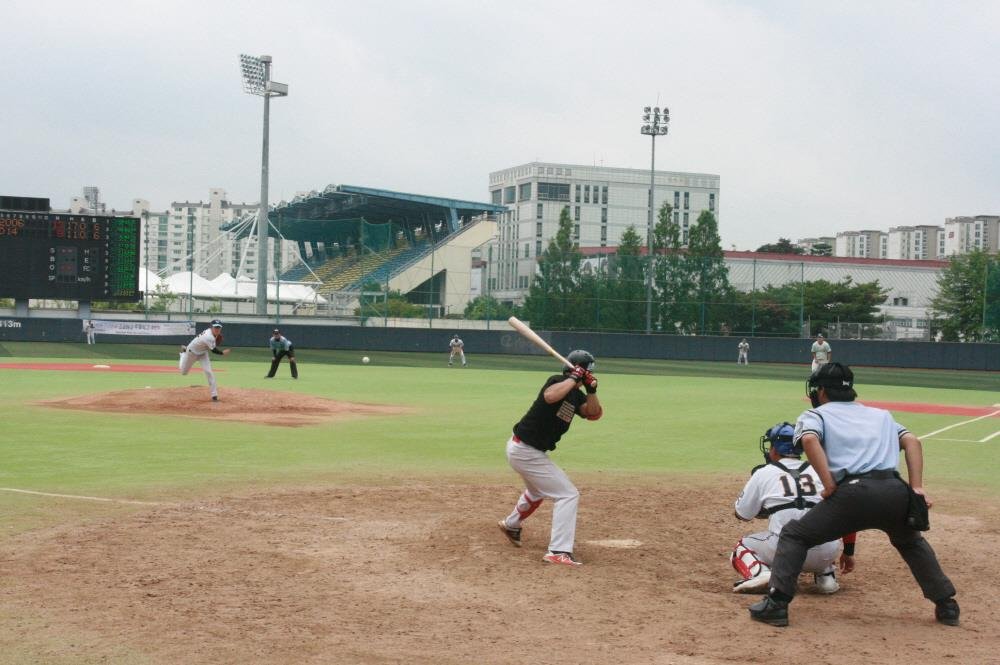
(543, 479)
(187, 362)
(456, 354)
(819, 559)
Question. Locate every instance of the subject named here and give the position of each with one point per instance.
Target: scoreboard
(60, 256)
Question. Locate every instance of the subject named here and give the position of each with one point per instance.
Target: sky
(818, 117)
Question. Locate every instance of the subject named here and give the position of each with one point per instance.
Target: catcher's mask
(837, 379)
(582, 358)
(780, 439)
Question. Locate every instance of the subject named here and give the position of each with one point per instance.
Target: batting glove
(590, 383)
(577, 373)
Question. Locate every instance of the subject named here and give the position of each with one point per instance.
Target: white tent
(225, 287)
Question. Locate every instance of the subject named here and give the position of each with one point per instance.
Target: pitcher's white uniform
(199, 349)
(772, 486)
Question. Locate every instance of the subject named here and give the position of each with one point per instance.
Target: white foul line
(945, 429)
(85, 498)
(989, 437)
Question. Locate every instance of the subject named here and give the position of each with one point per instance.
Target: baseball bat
(529, 334)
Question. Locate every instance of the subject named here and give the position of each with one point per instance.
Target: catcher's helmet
(837, 379)
(780, 437)
(582, 358)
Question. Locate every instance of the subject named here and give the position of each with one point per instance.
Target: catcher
(783, 489)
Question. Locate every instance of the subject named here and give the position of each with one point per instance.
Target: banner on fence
(139, 327)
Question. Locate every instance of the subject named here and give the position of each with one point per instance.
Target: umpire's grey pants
(857, 505)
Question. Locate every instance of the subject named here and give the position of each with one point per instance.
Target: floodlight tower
(257, 81)
(655, 121)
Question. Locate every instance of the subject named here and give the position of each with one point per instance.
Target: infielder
(281, 346)
(198, 349)
(783, 489)
(821, 352)
(744, 349)
(457, 349)
(855, 450)
(547, 419)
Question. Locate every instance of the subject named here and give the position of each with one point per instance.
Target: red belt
(515, 439)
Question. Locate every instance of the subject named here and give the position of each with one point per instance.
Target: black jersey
(544, 424)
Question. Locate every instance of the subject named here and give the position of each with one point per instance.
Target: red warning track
(83, 367)
(939, 409)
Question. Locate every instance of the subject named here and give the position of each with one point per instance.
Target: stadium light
(655, 121)
(257, 81)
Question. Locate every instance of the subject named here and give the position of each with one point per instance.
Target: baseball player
(783, 489)
(89, 329)
(281, 346)
(198, 349)
(537, 433)
(855, 450)
(744, 350)
(457, 349)
(821, 352)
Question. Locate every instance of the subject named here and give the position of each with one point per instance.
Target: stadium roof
(306, 216)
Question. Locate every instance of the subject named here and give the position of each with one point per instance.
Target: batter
(537, 433)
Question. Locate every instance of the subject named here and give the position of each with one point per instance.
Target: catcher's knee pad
(746, 562)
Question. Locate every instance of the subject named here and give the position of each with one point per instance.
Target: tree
(554, 300)
(961, 305)
(392, 305)
(710, 275)
(481, 308)
(621, 288)
(821, 249)
(783, 246)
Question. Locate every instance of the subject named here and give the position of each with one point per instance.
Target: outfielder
(547, 419)
(198, 349)
(783, 489)
(821, 352)
(281, 346)
(457, 349)
(744, 349)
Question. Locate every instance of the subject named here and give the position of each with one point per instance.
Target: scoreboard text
(68, 257)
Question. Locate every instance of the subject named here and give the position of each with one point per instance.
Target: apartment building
(968, 234)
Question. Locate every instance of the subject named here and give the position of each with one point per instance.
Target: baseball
(366, 360)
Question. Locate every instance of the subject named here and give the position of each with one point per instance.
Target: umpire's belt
(877, 474)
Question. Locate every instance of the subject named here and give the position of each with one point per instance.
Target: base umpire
(281, 346)
(855, 450)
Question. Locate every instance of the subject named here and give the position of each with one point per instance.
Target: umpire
(281, 346)
(855, 450)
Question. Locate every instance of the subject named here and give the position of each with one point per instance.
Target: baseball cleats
(564, 558)
(513, 535)
(826, 582)
(946, 611)
(755, 584)
(770, 611)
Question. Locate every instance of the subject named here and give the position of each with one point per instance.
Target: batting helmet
(780, 437)
(582, 358)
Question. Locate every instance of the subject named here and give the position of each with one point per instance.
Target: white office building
(862, 244)
(602, 201)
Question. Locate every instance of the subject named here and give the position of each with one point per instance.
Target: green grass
(662, 418)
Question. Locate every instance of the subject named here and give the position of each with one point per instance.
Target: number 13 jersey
(772, 486)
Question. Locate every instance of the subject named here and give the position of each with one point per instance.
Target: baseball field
(350, 516)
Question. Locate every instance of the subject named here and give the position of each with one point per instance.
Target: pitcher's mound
(262, 407)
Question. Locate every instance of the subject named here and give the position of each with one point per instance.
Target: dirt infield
(421, 574)
(283, 409)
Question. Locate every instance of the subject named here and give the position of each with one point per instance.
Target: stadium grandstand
(350, 239)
